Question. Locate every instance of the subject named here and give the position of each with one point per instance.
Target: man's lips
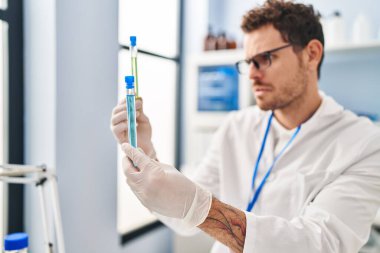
(262, 89)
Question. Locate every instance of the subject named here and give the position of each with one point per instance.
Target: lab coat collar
(327, 112)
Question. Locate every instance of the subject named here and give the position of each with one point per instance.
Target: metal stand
(39, 176)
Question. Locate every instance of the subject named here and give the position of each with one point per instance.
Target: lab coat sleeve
(177, 225)
(338, 220)
(206, 174)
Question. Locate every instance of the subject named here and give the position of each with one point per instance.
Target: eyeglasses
(260, 61)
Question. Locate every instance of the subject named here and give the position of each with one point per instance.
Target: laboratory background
(62, 68)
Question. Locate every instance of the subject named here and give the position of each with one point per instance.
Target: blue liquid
(132, 133)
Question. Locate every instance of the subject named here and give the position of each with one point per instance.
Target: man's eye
(263, 58)
(267, 56)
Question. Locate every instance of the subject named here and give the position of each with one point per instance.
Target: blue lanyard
(257, 192)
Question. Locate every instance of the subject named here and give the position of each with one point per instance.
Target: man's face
(285, 80)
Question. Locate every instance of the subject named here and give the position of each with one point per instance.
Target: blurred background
(62, 68)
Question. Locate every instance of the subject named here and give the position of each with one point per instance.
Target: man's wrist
(226, 224)
(199, 208)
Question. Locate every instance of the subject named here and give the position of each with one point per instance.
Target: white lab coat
(323, 193)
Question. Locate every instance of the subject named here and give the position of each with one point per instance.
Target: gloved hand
(163, 189)
(119, 126)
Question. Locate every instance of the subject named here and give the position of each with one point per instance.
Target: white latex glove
(119, 126)
(163, 189)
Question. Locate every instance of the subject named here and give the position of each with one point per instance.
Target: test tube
(133, 49)
(131, 110)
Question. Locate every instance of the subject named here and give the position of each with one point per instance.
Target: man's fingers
(120, 128)
(122, 107)
(119, 108)
(128, 167)
(141, 150)
(138, 158)
(123, 104)
(138, 104)
(119, 117)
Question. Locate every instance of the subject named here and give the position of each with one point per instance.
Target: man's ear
(314, 51)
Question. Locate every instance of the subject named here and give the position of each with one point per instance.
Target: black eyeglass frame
(266, 54)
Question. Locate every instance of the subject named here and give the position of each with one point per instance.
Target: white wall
(40, 102)
(71, 86)
(195, 27)
(3, 122)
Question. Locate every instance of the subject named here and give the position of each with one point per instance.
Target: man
(296, 173)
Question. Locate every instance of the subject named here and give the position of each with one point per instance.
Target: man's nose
(255, 73)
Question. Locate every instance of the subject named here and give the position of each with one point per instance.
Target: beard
(290, 93)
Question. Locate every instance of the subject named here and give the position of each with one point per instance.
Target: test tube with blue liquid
(133, 49)
(131, 109)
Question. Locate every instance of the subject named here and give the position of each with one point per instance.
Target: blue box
(218, 88)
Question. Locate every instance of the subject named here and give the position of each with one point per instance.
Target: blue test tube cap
(16, 241)
(130, 82)
(133, 40)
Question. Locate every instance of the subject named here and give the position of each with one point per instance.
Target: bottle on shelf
(336, 30)
(231, 43)
(210, 41)
(221, 41)
(16, 243)
(362, 29)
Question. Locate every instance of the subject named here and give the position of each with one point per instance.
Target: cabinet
(201, 123)
(350, 73)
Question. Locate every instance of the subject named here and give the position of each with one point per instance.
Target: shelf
(349, 53)
(229, 56)
(374, 45)
(224, 55)
(334, 54)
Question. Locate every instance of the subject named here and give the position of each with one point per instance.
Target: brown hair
(297, 23)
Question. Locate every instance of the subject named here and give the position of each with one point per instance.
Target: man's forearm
(226, 224)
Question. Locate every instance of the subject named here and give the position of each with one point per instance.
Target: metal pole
(57, 215)
(48, 244)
